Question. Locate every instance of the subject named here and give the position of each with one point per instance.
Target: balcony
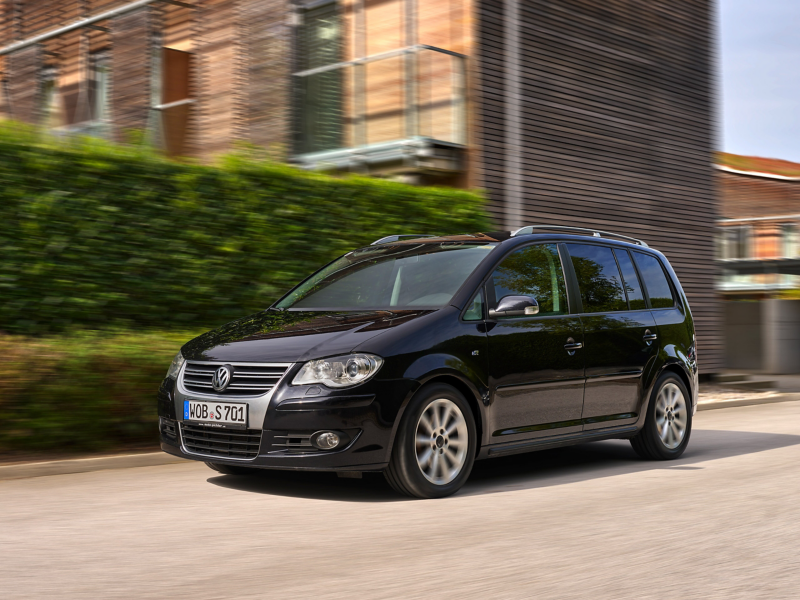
(394, 112)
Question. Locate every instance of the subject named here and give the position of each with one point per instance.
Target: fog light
(330, 440)
(327, 440)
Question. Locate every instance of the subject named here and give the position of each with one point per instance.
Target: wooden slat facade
(131, 62)
(219, 68)
(265, 76)
(23, 68)
(614, 126)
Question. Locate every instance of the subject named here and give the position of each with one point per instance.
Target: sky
(760, 77)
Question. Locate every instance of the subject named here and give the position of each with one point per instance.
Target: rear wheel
(668, 425)
(435, 446)
(231, 469)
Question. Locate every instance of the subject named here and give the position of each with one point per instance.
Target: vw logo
(221, 378)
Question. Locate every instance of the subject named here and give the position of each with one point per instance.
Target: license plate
(216, 414)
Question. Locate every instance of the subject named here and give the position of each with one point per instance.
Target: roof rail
(594, 232)
(396, 238)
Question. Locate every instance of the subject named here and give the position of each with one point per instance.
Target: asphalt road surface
(586, 522)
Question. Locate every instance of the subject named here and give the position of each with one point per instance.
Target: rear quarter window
(655, 281)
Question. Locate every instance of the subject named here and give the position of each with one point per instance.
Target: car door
(535, 361)
(619, 334)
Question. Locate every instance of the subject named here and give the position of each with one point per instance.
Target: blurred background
(167, 166)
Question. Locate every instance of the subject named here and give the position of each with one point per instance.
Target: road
(585, 522)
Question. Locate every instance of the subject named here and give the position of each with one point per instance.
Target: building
(759, 227)
(759, 256)
(568, 112)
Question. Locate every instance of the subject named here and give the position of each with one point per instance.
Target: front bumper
(368, 414)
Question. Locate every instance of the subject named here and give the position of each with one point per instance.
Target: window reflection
(632, 286)
(655, 281)
(598, 278)
(533, 271)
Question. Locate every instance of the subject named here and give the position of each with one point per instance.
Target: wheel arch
(669, 367)
(469, 395)
(466, 388)
(675, 368)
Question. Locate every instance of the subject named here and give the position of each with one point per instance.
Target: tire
(441, 465)
(232, 469)
(668, 425)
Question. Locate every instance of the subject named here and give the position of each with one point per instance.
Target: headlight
(176, 365)
(339, 371)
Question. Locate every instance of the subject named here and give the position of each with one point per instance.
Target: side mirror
(515, 306)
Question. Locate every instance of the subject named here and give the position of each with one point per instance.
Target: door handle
(648, 337)
(571, 346)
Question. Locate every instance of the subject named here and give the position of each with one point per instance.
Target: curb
(748, 402)
(86, 465)
(155, 459)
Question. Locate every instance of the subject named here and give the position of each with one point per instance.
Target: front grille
(247, 380)
(225, 443)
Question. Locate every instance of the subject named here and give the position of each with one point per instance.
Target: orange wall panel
(384, 25)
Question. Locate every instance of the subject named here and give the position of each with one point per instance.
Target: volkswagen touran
(417, 356)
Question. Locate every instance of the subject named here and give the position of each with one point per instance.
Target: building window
(735, 242)
(99, 87)
(789, 240)
(50, 103)
(319, 95)
(86, 102)
(175, 91)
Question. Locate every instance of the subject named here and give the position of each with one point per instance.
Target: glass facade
(319, 96)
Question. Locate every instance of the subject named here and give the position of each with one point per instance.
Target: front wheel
(668, 425)
(435, 446)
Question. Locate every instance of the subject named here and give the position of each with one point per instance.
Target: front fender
(427, 367)
(438, 366)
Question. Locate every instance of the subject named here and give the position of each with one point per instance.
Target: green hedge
(84, 391)
(98, 236)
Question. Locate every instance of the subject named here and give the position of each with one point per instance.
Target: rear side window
(630, 279)
(598, 278)
(655, 281)
(533, 271)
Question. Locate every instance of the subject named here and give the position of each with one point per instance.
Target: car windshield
(397, 276)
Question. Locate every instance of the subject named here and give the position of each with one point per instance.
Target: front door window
(533, 271)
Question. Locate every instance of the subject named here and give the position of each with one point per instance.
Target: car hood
(273, 336)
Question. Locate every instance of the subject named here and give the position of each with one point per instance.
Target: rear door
(536, 382)
(619, 334)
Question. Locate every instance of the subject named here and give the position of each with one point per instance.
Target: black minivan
(416, 356)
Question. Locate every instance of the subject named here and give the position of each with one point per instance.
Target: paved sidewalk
(721, 396)
(86, 465)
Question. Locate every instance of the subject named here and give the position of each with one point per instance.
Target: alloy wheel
(441, 441)
(671, 415)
